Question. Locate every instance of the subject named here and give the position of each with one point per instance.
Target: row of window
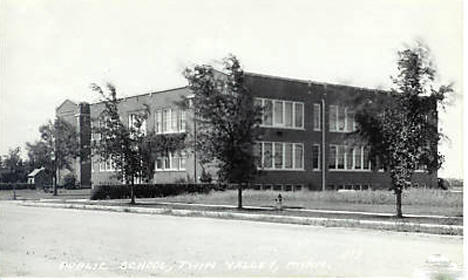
(344, 157)
(281, 113)
(289, 114)
(167, 120)
(175, 162)
(279, 155)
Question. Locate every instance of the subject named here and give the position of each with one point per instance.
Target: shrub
(69, 181)
(151, 190)
(18, 186)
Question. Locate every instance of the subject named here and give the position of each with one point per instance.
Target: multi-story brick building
(303, 143)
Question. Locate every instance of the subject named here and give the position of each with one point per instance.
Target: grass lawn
(429, 202)
(40, 194)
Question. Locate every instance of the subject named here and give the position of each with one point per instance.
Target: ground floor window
(279, 155)
(352, 158)
(174, 162)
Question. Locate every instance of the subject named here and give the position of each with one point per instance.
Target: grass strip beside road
(427, 225)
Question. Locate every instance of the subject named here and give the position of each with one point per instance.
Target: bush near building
(16, 186)
(152, 190)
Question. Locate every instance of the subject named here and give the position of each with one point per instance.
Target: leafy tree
(120, 143)
(401, 128)
(226, 119)
(15, 168)
(58, 138)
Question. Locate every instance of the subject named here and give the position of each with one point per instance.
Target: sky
(51, 50)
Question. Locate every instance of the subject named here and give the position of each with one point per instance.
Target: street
(64, 242)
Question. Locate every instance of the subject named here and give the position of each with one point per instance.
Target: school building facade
(303, 143)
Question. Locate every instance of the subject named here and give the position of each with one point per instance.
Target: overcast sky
(53, 50)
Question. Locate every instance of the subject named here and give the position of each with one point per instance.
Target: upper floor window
(317, 117)
(341, 119)
(170, 120)
(281, 113)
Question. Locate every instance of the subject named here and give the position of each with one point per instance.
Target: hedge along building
(303, 143)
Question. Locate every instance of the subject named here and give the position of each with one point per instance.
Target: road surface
(64, 242)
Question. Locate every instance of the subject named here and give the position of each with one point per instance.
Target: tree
(226, 119)
(120, 143)
(58, 138)
(402, 131)
(15, 169)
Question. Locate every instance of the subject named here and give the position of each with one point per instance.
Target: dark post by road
(54, 178)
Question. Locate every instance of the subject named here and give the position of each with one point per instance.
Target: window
(288, 152)
(170, 120)
(279, 112)
(299, 114)
(107, 165)
(349, 158)
(317, 117)
(289, 114)
(258, 151)
(158, 122)
(280, 156)
(357, 158)
(268, 112)
(298, 156)
(332, 158)
(341, 119)
(350, 126)
(174, 162)
(282, 114)
(333, 118)
(340, 151)
(267, 155)
(316, 157)
(365, 159)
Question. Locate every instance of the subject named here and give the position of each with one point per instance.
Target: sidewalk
(379, 221)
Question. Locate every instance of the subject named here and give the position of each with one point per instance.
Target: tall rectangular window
(298, 115)
(158, 121)
(341, 118)
(332, 157)
(340, 151)
(357, 158)
(174, 120)
(166, 120)
(317, 117)
(288, 155)
(182, 122)
(333, 117)
(267, 155)
(349, 158)
(258, 154)
(278, 113)
(268, 112)
(316, 156)
(298, 156)
(278, 155)
(288, 110)
(350, 121)
(365, 159)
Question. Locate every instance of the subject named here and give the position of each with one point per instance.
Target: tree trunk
(399, 213)
(239, 196)
(55, 182)
(132, 192)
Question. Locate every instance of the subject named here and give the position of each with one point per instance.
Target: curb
(313, 221)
